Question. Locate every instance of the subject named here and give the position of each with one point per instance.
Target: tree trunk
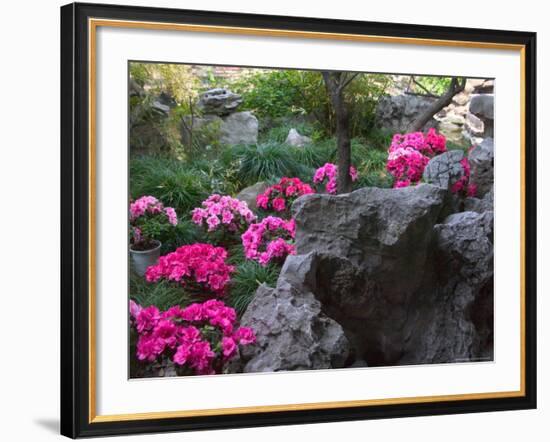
(455, 87)
(336, 83)
(344, 147)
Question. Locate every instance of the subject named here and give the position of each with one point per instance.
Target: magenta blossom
(280, 196)
(409, 154)
(269, 240)
(223, 213)
(202, 337)
(197, 267)
(329, 173)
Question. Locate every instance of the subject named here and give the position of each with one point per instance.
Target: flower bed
(409, 154)
(223, 213)
(197, 267)
(199, 339)
(269, 240)
(279, 197)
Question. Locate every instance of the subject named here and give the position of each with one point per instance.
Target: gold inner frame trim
(93, 24)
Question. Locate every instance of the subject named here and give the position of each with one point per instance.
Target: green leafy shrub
(248, 276)
(269, 94)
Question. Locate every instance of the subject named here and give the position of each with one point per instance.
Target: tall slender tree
(336, 83)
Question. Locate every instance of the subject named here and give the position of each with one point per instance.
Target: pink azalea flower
(185, 336)
(172, 216)
(212, 221)
(143, 211)
(244, 336)
(330, 172)
(134, 309)
(268, 240)
(279, 204)
(223, 213)
(409, 154)
(229, 347)
(192, 265)
(147, 318)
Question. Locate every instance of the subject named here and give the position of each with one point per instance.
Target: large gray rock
(481, 160)
(480, 205)
(482, 105)
(239, 128)
(249, 194)
(219, 101)
(474, 125)
(371, 254)
(406, 283)
(291, 329)
(397, 112)
(444, 169)
(457, 325)
(295, 139)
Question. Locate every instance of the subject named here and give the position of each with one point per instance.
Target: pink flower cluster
(280, 196)
(150, 205)
(410, 153)
(223, 213)
(197, 267)
(269, 240)
(202, 337)
(463, 185)
(329, 172)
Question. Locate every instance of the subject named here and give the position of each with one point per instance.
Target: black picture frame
(75, 220)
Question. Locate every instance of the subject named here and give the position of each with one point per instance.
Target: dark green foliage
(163, 294)
(269, 94)
(378, 138)
(171, 181)
(371, 165)
(186, 232)
(433, 85)
(248, 276)
(274, 94)
(262, 162)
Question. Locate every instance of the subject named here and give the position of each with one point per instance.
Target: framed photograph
(275, 220)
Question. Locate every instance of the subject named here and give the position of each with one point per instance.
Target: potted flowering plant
(200, 339)
(149, 221)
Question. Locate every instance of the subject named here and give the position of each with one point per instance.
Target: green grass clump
(248, 276)
(162, 294)
(261, 162)
(171, 181)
